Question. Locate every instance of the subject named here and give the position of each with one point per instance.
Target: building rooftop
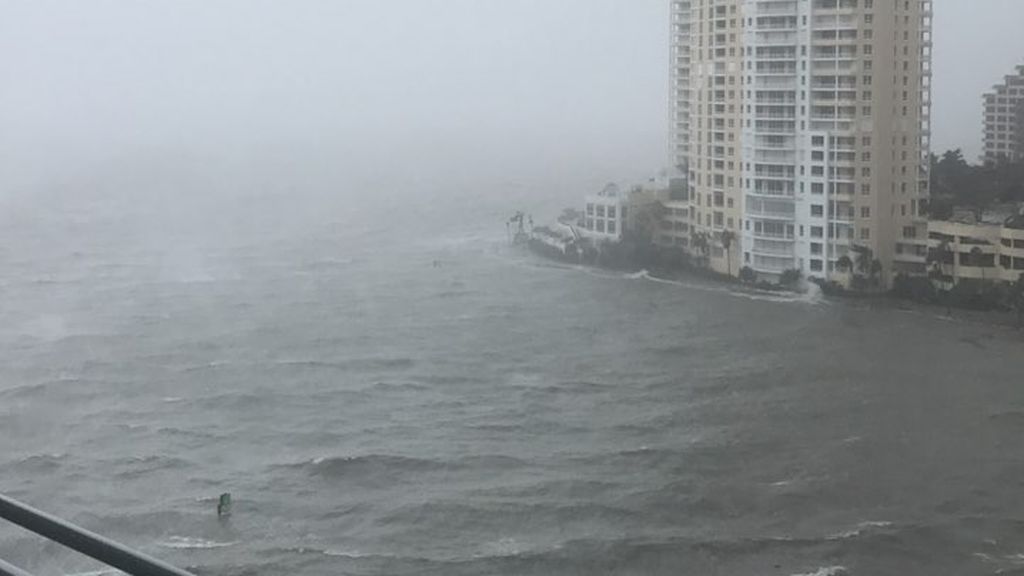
(1010, 215)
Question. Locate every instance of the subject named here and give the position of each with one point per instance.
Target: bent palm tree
(699, 243)
(976, 260)
(844, 263)
(727, 239)
(876, 272)
(864, 259)
(1018, 300)
(939, 256)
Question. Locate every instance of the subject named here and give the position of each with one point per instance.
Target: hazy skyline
(569, 93)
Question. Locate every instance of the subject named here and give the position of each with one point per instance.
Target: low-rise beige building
(987, 247)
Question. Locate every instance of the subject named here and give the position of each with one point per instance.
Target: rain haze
(414, 287)
(563, 94)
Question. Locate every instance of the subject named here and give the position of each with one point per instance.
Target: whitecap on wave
(344, 553)
(828, 571)
(186, 543)
(859, 530)
(812, 295)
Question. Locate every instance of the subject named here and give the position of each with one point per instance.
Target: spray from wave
(810, 292)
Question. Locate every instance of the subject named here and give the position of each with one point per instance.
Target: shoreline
(874, 301)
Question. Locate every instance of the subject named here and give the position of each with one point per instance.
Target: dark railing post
(93, 545)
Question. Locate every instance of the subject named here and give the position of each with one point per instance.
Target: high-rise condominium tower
(803, 126)
(1004, 117)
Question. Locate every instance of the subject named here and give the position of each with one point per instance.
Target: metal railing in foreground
(93, 545)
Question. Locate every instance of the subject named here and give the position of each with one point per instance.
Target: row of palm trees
(865, 262)
(700, 243)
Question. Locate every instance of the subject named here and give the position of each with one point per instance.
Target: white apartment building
(605, 214)
(808, 130)
(680, 86)
(1004, 119)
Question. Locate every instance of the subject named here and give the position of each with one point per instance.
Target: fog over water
(317, 94)
(258, 247)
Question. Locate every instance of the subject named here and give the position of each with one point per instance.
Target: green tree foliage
(1017, 298)
(864, 258)
(727, 239)
(875, 273)
(955, 182)
(747, 275)
(844, 263)
(647, 218)
(700, 244)
(790, 278)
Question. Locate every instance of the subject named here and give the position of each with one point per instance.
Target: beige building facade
(809, 126)
(978, 250)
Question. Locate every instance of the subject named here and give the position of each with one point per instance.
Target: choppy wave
(399, 387)
(385, 466)
(575, 426)
(138, 466)
(189, 543)
(481, 515)
(859, 530)
(811, 296)
(356, 364)
(827, 571)
(206, 366)
(339, 553)
(370, 464)
(63, 386)
(37, 464)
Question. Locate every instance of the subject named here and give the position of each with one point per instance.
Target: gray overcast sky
(552, 92)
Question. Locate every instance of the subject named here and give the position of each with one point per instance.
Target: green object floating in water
(224, 505)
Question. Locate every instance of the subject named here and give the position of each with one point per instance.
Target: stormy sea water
(398, 391)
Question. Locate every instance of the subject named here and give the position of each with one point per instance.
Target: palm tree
(1018, 300)
(876, 271)
(727, 239)
(648, 218)
(844, 263)
(976, 256)
(790, 278)
(748, 275)
(699, 244)
(864, 259)
(939, 255)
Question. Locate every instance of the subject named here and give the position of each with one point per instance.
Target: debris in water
(224, 505)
